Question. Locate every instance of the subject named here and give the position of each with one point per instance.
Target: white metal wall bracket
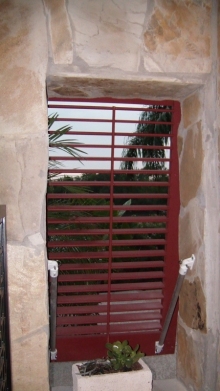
(53, 268)
(158, 347)
(53, 355)
(186, 264)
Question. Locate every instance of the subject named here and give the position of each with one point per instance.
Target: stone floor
(62, 388)
(166, 385)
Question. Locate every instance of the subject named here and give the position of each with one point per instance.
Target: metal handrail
(184, 266)
(53, 269)
(5, 351)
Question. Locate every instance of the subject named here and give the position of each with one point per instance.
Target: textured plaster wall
(23, 167)
(123, 49)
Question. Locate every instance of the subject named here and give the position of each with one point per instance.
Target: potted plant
(122, 369)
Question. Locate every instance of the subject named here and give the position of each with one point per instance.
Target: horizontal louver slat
(106, 196)
(114, 287)
(108, 183)
(70, 208)
(90, 309)
(105, 254)
(103, 243)
(116, 134)
(91, 329)
(113, 276)
(102, 107)
(118, 265)
(104, 231)
(106, 159)
(129, 317)
(110, 121)
(124, 219)
(115, 297)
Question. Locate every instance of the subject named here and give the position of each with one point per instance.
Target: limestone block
(191, 231)
(60, 32)
(179, 144)
(27, 272)
(36, 239)
(67, 85)
(28, 304)
(191, 164)
(177, 36)
(191, 110)
(23, 52)
(108, 33)
(192, 305)
(30, 364)
(218, 368)
(23, 165)
(189, 356)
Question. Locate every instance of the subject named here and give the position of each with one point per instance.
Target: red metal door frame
(85, 346)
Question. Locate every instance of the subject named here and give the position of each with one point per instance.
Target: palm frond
(68, 146)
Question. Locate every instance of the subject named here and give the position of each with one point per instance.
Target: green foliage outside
(140, 140)
(56, 141)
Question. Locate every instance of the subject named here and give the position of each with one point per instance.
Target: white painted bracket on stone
(186, 264)
(53, 268)
(158, 347)
(53, 355)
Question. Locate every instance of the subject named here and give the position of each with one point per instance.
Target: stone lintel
(87, 86)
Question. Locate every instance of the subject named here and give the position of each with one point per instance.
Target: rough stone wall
(123, 49)
(218, 129)
(143, 48)
(198, 328)
(158, 49)
(23, 167)
(131, 36)
(192, 306)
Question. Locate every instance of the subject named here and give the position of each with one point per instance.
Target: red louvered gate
(112, 220)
